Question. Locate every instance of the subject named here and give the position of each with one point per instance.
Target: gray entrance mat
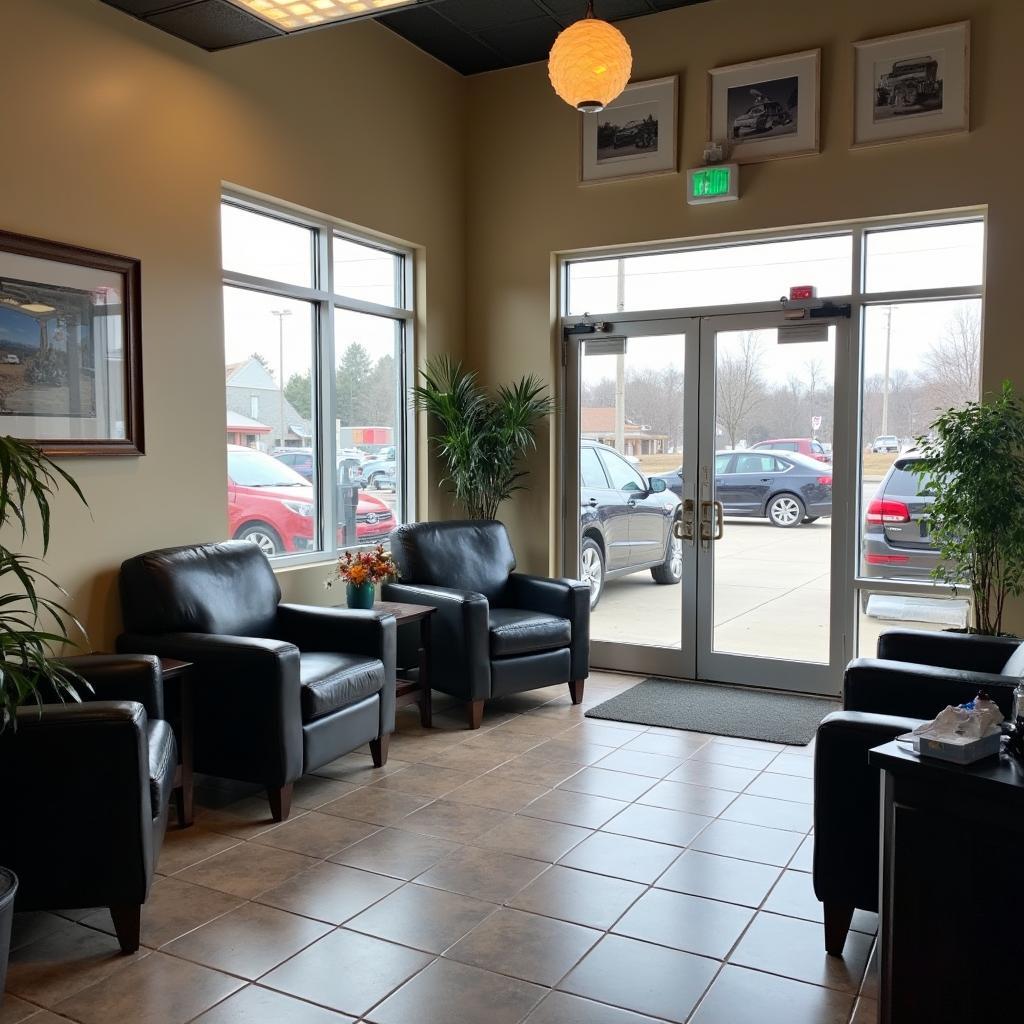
(725, 710)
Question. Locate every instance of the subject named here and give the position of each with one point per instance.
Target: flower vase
(360, 595)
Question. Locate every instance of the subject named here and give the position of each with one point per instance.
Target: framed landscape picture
(70, 349)
(634, 136)
(766, 109)
(913, 84)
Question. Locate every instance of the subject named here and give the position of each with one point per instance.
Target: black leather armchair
(496, 631)
(915, 675)
(280, 689)
(86, 806)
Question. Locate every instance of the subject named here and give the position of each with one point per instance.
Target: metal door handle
(682, 528)
(712, 523)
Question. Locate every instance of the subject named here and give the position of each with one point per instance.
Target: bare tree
(950, 366)
(740, 386)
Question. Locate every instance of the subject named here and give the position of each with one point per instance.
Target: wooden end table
(412, 683)
(178, 699)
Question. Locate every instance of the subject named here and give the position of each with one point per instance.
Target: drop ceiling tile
(213, 24)
(523, 41)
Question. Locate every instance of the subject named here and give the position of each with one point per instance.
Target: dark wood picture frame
(130, 272)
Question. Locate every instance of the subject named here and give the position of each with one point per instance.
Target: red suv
(808, 446)
(271, 505)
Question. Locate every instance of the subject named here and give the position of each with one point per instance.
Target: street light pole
(280, 314)
(885, 385)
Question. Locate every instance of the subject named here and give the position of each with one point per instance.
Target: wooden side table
(951, 902)
(178, 703)
(412, 684)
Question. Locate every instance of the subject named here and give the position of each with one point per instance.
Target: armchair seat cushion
(331, 681)
(163, 763)
(513, 632)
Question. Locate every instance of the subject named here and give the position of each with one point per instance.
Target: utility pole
(280, 314)
(885, 385)
(620, 363)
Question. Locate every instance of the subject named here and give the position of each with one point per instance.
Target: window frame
(325, 300)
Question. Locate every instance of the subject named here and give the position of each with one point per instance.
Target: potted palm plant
(973, 464)
(33, 625)
(481, 438)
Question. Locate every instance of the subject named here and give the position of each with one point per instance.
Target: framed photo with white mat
(766, 109)
(634, 136)
(912, 85)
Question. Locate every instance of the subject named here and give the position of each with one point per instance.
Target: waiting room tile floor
(548, 869)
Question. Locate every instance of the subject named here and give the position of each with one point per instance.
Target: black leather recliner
(280, 689)
(915, 675)
(496, 631)
(89, 787)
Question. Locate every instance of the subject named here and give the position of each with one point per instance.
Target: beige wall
(117, 137)
(525, 203)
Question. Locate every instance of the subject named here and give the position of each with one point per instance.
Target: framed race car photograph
(765, 109)
(634, 136)
(912, 84)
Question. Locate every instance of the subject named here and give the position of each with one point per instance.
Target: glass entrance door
(700, 497)
(632, 431)
(771, 507)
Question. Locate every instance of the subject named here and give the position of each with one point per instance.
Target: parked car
(626, 521)
(273, 506)
(302, 461)
(885, 443)
(761, 117)
(894, 542)
(809, 446)
(783, 487)
(641, 134)
(379, 467)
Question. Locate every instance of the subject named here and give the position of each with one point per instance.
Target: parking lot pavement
(770, 598)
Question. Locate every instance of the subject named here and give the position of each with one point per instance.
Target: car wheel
(592, 569)
(785, 510)
(671, 570)
(810, 519)
(266, 538)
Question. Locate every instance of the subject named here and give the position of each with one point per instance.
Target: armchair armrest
(347, 631)
(248, 715)
(82, 770)
(846, 805)
(917, 691)
(947, 650)
(569, 599)
(121, 677)
(462, 653)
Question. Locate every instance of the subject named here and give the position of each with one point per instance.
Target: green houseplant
(481, 438)
(974, 466)
(31, 625)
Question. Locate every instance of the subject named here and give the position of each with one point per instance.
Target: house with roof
(258, 413)
(597, 423)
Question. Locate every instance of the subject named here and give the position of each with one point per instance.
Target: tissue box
(965, 751)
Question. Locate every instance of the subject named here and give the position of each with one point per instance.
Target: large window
(317, 351)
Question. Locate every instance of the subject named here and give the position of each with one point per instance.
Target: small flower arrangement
(360, 567)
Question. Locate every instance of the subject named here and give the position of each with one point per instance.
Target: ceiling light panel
(291, 15)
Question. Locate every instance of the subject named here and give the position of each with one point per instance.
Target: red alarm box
(803, 291)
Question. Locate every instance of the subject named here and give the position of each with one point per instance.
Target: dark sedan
(785, 488)
(895, 541)
(625, 521)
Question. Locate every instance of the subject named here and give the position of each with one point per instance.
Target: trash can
(350, 478)
(8, 890)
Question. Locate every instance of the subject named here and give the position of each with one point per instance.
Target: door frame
(762, 670)
(678, 662)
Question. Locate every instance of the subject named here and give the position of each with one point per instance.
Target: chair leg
(576, 690)
(379, 750)
(475, 713)
(837, 926)
(280, 801)
(127, 920)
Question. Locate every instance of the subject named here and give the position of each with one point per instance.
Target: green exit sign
(714, 184)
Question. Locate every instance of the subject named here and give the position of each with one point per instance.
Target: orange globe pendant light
(590, 63)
